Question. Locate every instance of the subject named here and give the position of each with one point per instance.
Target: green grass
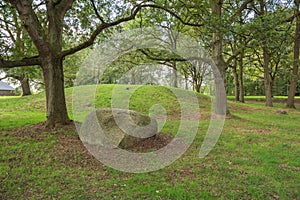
(256, 157)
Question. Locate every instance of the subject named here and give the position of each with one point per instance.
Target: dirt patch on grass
(69, 141)
(151, 144)
(36, 130)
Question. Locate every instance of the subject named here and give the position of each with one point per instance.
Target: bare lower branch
(4, 64)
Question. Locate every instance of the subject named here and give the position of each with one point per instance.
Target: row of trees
(259, 43)
(249, 39)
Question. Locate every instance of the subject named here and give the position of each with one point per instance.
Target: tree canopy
(254, 43)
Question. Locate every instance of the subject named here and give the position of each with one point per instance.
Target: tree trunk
(198, 87)
(186, 82)
(268, 86)
(217, 50)
(24, 81)
(25, 87)
(175, 76)
(55, 95)
(132, 77)
(266, 60)
(272, 81)
(240, 77)
(236, 81)
(295, 76)
(52, 64)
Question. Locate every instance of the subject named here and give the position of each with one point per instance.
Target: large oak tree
(45, 22)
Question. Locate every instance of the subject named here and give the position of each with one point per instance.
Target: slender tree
(295, 73)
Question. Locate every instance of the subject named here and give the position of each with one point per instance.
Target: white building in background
(5, 89)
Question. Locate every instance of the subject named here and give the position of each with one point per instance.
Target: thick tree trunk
(295, 76)
(267, 81)
(241, 80)
(25, 87)
(52, 65)
(54, 82)
(217, 51)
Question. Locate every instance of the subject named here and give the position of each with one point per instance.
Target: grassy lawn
(256, 157)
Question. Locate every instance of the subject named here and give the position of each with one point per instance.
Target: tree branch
(239, 50)
(166, 63)
(31, 23)
(151, 57)
(239, 10)
(6, 22)
(291, 19)
(96, 12)
(173, 14)
(31, 61)
(104, 25)
(64, 6)
(99, 29)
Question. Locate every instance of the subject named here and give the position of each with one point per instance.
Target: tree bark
(236, 81)
(49, 45)
(25, 87)
(175, 76)
(24, 81)
(186, 81)
(132, 77)
(240, 78)
(54, 84)
(197, 87)
(52, 65)
(267, 81)
(295, 76)
(266, 61)
(217, 55)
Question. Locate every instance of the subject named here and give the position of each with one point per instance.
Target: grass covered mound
(256, 157)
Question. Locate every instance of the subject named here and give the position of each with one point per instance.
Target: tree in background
(62, 28)
(16, 43)
(295, 73)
